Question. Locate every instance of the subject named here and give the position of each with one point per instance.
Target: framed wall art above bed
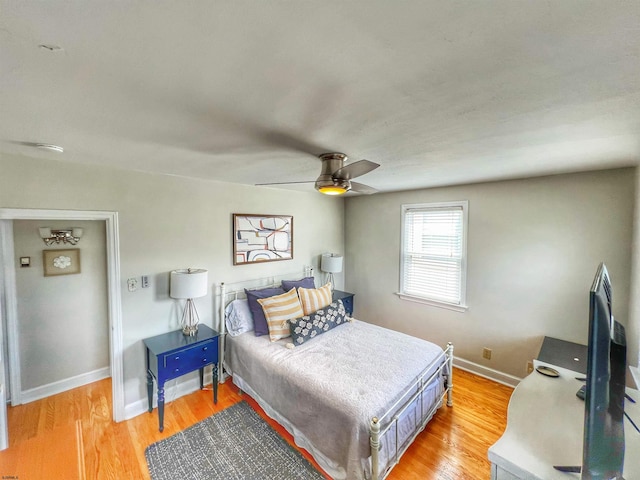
(262, 238)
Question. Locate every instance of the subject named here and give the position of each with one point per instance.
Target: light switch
(145, 281)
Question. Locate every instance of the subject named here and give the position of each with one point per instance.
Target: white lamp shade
(331, 263)
(77, 232)
(45, 232)
(189, 283)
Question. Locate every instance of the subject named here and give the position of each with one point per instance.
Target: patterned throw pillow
(278, 311)
(307, 327)
(313, 299)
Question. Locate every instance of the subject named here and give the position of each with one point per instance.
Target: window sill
(433, 303)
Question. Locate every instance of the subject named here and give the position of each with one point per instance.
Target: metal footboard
(390, 419)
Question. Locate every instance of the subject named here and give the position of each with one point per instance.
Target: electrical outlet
(132, 284)
(486, 353)
(529, 366)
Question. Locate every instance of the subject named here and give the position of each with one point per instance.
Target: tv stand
(545, 424)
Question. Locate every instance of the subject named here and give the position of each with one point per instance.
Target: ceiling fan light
(332, 190)
(332, 186)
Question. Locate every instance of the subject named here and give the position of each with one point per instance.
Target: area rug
(234, 444)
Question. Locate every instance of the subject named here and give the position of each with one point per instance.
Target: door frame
(4, 431)
(114, 300)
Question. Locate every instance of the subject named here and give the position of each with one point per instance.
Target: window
(433, 257)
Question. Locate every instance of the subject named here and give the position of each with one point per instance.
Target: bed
(355, 396)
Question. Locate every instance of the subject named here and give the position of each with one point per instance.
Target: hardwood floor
(452, 447)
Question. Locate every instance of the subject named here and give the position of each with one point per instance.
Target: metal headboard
(233, 291)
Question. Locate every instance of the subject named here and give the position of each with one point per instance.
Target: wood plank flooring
(38, 456)
(452, 447)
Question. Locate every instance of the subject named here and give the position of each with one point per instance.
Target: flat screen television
(603, 444)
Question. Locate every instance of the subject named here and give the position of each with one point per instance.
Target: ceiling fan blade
(290, 142)
(355, 169)
(282, 183)
(362, 188)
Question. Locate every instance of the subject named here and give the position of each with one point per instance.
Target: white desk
(545, 424)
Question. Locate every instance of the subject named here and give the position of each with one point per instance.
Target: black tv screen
(603, 447)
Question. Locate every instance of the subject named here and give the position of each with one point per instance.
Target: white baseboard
(60, 386)
(490, 373)
(173, 390)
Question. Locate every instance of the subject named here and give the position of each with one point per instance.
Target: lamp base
(190, 330)
(190, 319)
(331, 281)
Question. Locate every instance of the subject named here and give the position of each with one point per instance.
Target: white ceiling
(437, 92)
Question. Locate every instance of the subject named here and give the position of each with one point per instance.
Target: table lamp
(188, 284)
(331, 263)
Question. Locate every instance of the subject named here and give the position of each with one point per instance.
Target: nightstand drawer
(188, 359)
(348, 304)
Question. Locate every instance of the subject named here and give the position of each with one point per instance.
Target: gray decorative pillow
(310, 326)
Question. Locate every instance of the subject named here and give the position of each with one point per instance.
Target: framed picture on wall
(262, 238)
(61, 262)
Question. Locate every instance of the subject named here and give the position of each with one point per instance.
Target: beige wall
(167, 223)
(533, 249)
(63, 321)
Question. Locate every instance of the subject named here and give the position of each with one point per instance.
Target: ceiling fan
(335, 177)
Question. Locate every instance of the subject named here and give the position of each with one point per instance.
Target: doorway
(8, 302)
(62, 311)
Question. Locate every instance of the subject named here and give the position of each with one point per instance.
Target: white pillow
(237, 317)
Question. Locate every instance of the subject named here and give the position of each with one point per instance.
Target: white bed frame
(380, 426)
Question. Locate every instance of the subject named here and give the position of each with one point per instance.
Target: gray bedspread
(326, 391)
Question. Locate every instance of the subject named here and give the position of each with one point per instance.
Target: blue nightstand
(347, 300)
(173, 354)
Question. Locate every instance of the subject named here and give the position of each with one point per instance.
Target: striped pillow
(278, 311)
(314, 298)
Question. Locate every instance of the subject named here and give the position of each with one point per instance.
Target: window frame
(461, 204)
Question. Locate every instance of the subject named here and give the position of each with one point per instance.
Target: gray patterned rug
(234, 444)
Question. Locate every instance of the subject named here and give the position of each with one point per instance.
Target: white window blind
(434, 252)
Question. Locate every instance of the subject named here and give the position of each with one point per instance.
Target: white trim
(39, 214)
(464, 205)
(4, 430)
(115, 315)
(433, 303)
(60, 386)
(482, 371)
(11, 310)
(113, 285)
